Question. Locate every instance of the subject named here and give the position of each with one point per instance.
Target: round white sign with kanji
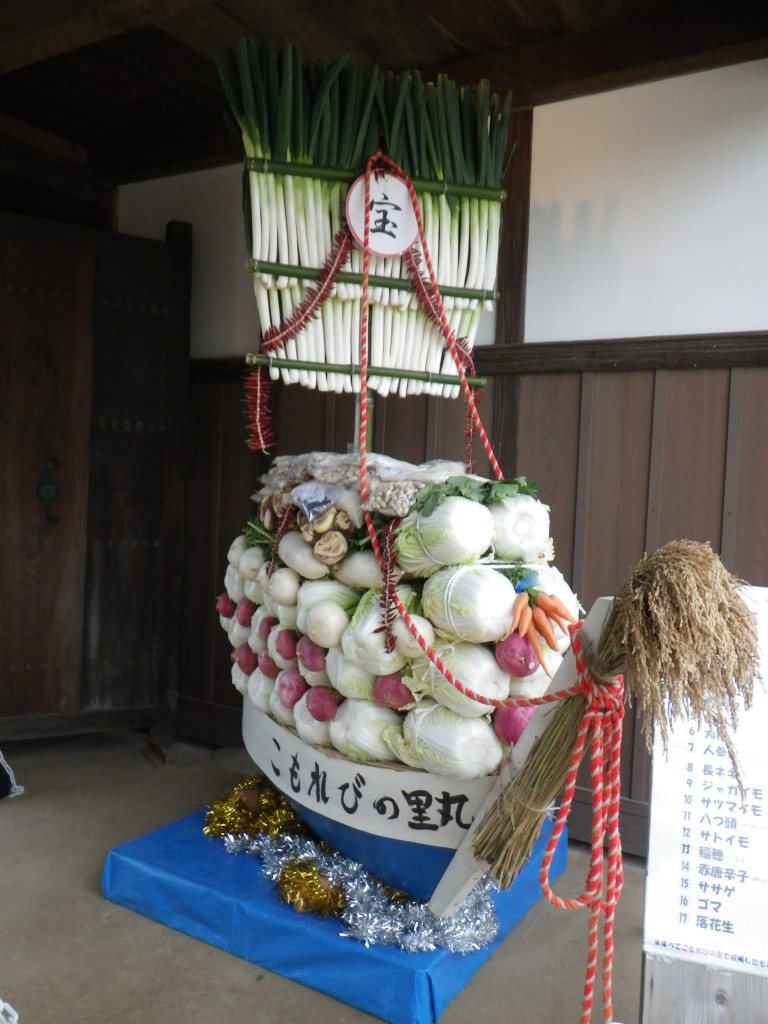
(392, 222)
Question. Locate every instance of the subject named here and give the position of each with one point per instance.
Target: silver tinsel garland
(369, 914)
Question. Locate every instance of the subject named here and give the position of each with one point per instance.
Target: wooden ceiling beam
(668, 42)
(34, 30)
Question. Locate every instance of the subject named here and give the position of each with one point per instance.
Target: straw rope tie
(601, 722)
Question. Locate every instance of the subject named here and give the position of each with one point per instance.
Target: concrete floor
(69, 956)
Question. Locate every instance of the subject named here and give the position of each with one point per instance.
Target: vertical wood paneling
(614, 460)
(687, 476)
(745, 523)
(548, 410)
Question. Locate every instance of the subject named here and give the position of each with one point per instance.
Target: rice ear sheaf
(689, 641)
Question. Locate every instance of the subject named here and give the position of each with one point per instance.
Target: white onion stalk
(293, 241)
(253, 188)
(492, 252)
(280, 214)
(271, 212)
(338, 335)
(315, 250)
(463, 263)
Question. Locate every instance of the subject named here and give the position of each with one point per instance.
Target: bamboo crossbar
(396, 284)
(297, 170)
(353, 370)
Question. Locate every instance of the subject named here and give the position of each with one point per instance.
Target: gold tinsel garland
(255, 807)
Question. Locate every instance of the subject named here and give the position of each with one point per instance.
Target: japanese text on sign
(707, 888)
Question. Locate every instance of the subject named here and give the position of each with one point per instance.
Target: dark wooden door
(46, 333)
(94, 379)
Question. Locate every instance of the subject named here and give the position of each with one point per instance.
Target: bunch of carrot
(533, 615)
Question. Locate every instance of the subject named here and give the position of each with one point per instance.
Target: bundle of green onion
(307, 129)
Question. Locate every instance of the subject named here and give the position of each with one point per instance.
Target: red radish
(265, 626)
(515, 654)
(245, 659)
(509, 723)
(391, 691)
(285, 644)
(309, 654)
(244, 611)
(267, 665)
(225, 606)
(322, 702)
(290, 687)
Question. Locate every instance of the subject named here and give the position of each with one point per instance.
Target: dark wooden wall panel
(614, 462)
(745, 522)
(690, 429)
(548, 412)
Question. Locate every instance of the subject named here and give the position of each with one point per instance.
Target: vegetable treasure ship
(415, 681)
(379, 612)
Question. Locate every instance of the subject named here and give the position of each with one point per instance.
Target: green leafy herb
(257, 535)
(473, 488)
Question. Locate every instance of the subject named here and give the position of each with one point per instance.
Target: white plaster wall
(224, 321)
(649, 210)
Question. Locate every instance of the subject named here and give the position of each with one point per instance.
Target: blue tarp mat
(186, 880)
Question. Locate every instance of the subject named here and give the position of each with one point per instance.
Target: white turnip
(325, 623)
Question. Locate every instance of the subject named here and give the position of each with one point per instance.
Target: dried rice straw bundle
(685, 642)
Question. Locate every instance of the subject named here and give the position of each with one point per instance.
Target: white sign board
(707, 887)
